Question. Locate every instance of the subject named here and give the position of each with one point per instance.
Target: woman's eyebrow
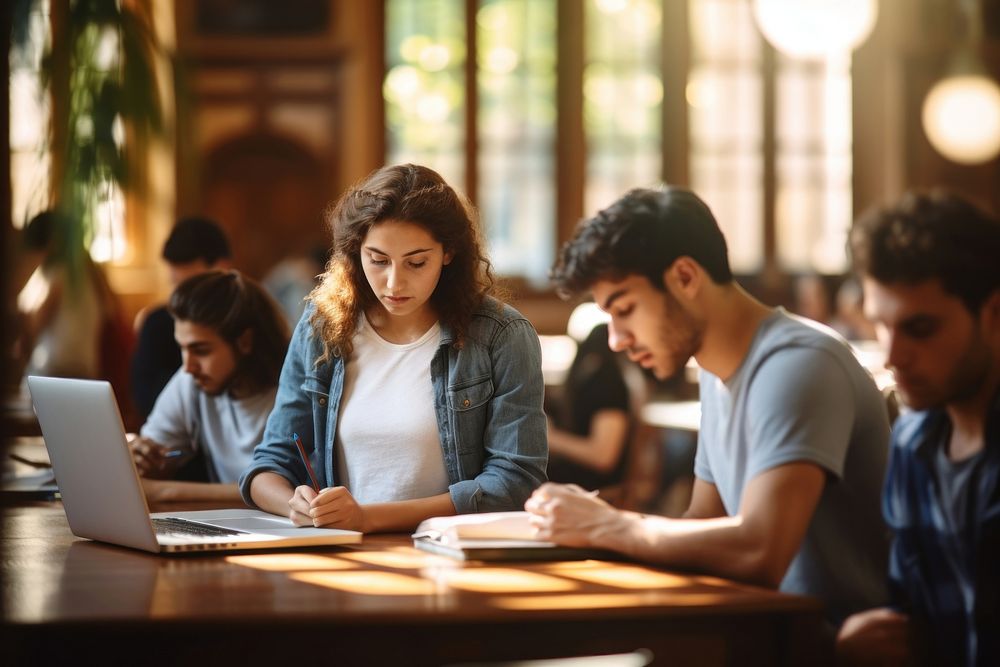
(406, 254)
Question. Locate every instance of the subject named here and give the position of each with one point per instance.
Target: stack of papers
(492, 536)
(485, 526)
(34, 484)
(26, 478)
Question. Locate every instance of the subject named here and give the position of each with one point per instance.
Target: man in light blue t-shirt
(794, 433)
(233, 340)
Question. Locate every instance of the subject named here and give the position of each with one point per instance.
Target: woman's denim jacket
(487, 398)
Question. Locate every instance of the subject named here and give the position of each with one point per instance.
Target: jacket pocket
(317, 391)
(470, 395)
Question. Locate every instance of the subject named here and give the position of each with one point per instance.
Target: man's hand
(153, 460)
(874, 637)
(333, 507)
(566, 514)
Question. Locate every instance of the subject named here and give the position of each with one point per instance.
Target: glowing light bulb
(961, 117)
(815, 28)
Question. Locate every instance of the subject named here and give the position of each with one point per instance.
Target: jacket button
(322, 401)
(466, 403)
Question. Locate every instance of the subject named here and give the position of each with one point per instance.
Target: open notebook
(493, 536)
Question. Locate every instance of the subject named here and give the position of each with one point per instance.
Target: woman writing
(414, 392)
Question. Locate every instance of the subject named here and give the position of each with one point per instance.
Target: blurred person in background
(588, 430)
(71, 323)
(849, 318)
(194, 245)
(812, 298)
(293, 278)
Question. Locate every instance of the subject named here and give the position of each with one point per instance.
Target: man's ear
(683, 277)
(244, 343)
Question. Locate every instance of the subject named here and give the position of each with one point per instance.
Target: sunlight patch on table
(403, 559)
(625, 576)
(289, 562)
(502, 580)
(368, 583)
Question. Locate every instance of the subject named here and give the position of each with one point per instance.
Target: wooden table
(381, 602)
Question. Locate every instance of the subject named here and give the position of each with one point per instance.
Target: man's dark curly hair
(642, 233)
(931, 236)
(230, 304)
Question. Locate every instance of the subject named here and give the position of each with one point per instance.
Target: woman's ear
(448, 256)
(244, 343)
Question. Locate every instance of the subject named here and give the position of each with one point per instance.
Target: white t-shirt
(388, 445)
(227, 429)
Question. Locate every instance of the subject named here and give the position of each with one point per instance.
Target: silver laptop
(103, 497)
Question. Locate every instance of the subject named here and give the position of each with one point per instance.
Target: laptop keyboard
(175, 527)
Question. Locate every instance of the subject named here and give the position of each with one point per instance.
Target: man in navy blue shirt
(931, 273)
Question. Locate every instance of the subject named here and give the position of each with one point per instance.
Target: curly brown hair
(925, 236)
(407, 193)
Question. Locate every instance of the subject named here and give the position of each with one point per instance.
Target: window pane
(623, 98)
(730, 184)
(726, 108)
(814, 197)
(726, 118)
(29, 120)
(425, 83)
(516, 74)
(723, 30)
(110, 242)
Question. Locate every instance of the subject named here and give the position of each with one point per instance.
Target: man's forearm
(166, 491)
(723, 546)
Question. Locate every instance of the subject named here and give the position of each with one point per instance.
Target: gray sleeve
(801, 408)
(701, 468)
(169, 424)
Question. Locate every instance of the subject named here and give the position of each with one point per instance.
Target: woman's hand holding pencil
(332, 507)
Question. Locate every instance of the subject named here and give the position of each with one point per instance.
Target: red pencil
(305, 459)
